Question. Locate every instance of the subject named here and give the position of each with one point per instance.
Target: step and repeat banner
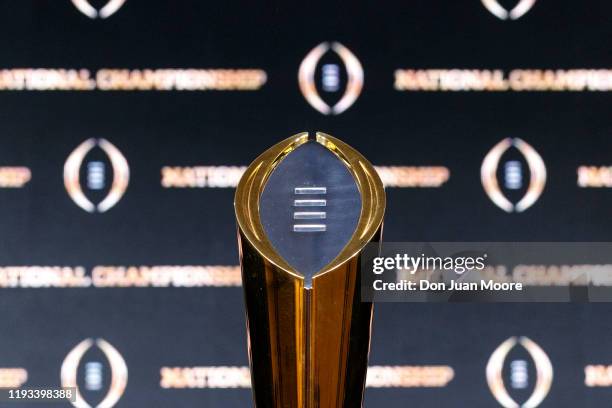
(125, 126)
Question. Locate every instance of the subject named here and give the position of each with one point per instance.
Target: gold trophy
(305, 209)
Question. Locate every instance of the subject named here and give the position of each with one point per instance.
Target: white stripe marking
(310, 215)
(309, 228)
(309, 203)
(310, 190)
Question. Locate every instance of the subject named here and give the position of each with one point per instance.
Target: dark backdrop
(155, 327)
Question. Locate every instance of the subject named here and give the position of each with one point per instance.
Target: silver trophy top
(310, 207)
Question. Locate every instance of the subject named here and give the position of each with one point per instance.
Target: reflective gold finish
(308, 347)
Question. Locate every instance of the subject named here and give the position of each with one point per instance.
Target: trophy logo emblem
(518, 373)
(98, 162)
(84, 370)
(110, 8)
(322, 74)
(518, 11)
(522, 176)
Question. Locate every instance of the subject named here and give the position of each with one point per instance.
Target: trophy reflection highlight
(305, 209)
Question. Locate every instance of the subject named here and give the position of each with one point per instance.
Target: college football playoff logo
(106, 11)
(519, 372)
(516, 183)
(84, 368)
(323, 74)
(521, 8)
(96, 175)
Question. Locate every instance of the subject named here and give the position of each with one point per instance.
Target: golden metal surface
(308, 347)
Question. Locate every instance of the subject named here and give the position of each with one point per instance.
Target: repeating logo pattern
(518, 11)
(519, 374)
(96, 175)
(93, 373)
(513, 175)
(330, 78)
(110, 8)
